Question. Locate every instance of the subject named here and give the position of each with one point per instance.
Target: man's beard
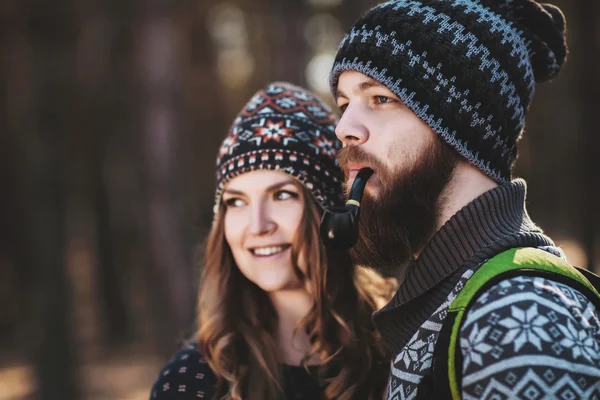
(402, 219)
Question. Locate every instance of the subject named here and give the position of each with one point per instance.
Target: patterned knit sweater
(525, 337)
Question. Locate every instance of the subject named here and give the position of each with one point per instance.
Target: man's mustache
(356, 155)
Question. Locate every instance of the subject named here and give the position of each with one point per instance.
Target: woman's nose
(261, 222)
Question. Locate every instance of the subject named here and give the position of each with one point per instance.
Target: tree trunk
(51, 31)
(102, 95)
(158, 56)
(589, 87)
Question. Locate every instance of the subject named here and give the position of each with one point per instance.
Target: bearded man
(433, 95)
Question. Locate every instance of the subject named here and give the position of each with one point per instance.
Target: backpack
(445, 379)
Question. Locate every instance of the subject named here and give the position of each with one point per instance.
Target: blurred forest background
(112, 112)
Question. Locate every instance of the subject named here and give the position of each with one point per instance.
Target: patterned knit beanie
(465, 67)
(288, 129)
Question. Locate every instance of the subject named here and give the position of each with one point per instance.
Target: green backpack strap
(513, 262)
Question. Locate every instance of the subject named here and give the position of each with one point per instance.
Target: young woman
(279, 315)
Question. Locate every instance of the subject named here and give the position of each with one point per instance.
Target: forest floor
(127, 375)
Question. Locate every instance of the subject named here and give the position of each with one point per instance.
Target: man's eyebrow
(358, 89)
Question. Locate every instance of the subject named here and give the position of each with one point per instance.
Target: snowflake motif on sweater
(525, 337)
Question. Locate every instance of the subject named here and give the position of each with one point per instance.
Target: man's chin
(386, 268)
(387, 257)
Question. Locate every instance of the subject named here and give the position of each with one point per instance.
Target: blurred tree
(50, 29)
(206, 112)
(588, 84)
(104, 102)
(9, 275)
(158, 58)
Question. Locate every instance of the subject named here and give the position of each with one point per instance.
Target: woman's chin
(280, 286)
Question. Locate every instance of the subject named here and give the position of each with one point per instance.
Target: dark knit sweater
(187, 376)
(410, 323)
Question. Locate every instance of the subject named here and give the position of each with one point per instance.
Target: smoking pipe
(339, 225)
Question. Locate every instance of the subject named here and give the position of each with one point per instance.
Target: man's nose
(351, 129)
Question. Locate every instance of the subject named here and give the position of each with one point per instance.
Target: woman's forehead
(259, 181)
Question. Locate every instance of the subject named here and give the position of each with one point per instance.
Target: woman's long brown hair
(237, 322)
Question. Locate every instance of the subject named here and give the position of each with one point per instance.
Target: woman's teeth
(268, 251)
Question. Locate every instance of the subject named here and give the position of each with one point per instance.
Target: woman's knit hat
(288, 129)
(467, 68)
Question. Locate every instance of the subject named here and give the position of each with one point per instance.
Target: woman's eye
(343, 107)
(285, 195)
(234, 202)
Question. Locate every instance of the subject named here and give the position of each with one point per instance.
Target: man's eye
(343, 107)
(285, 195)
(383, 99)
(234, 202)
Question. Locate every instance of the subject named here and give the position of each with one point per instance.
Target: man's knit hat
(466, 67)
(288, 129)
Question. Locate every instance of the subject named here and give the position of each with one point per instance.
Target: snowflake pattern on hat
(286, 128)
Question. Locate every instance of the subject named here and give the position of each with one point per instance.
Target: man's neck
(466, 185)
(291, 306)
